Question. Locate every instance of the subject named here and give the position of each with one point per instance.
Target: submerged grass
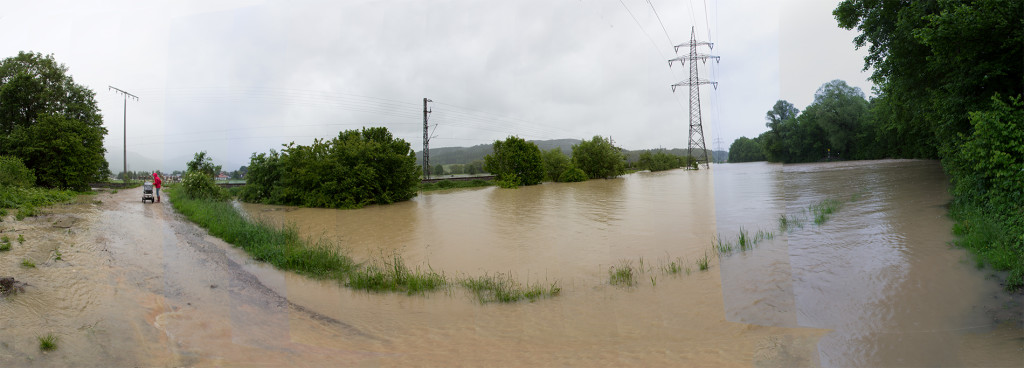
(395, 276)
(622, 274)
(27, 263)
(823, 210)
(504, 288)
(703, 262)
(286, 250)
(48, 342)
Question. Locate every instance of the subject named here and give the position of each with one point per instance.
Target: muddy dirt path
(125, 284)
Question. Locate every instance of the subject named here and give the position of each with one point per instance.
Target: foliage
(437, 170)
(395, 276)
(661, 160)
(202, 163)
(940, 67)
(833, 126)
(355, 169)
(744, 149)
(14, 173)
(573, 175)
(555, 163)
(26, 200)
(198, 185)
(599, 158)
(515, 162)
(48, 342)
(51, 123)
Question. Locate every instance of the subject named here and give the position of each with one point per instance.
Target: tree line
(949, 79)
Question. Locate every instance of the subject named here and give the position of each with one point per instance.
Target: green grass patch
(452, 184)
(721, 246)
(5, 246)
(281, 247)
(622, 274)
(703, 262)
(27, 263)
(823, 210)
(28, 200)
(393, 275)
(503, 288)
(48, 342)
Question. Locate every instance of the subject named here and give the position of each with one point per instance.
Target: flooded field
(875, 285)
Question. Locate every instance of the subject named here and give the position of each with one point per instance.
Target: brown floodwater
(876, 285)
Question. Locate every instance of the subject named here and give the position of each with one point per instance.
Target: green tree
(744, 149)
(202, 163)
(555, 163)
(355, 169)
(516, 162)
(437, 170)
(51, 123)
(599, 158)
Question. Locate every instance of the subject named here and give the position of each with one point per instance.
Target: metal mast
(126, 95)
(426, 140)
(696, 135)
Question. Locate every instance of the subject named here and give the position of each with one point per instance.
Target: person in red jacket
(156, 184)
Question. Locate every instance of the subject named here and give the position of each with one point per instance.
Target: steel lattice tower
(696, 127)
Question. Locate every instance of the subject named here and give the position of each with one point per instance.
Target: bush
(197, 185)
(515, 162)
(14, 173)
(599, 158)
(661, 161)
(555, 163)
(573, 175)
(355, 169)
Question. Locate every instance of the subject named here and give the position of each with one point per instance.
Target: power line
(659, 22)
(642, 28)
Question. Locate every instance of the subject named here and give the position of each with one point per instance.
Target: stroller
(147, 192)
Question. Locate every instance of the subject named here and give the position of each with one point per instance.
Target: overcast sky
(237, 77)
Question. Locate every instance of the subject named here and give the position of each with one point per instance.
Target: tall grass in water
(702, 262)
(48, 342)
(505, 289)
(823, 210)
(622, 274)
(394, 276)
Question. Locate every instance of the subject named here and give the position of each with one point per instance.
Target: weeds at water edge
(505, 289)
(622, 274)
(395, 276)
(702, 262)
(27, 263)
(48, 342)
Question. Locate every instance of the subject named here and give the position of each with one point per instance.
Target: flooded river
(875, 285)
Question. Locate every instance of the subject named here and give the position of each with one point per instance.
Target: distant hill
(465, 155)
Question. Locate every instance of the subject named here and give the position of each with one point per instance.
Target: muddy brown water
(877, 285)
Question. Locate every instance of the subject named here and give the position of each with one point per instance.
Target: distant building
(223, 176)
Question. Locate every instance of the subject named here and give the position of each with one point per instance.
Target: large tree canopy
(744, 149)
(950, 77)
(599, 158)
(515, 162)
(50, 122)
(354, 169)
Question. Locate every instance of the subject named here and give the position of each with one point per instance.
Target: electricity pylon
(696, 127)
